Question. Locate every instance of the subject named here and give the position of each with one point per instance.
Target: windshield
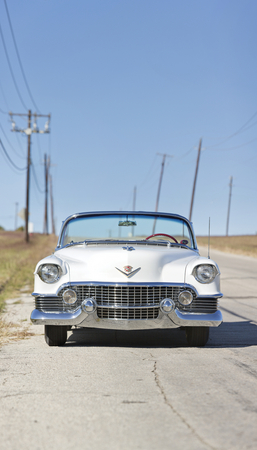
(128, 228)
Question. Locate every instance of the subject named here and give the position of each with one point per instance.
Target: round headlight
(205, 273)
(69, 297)
(185, 298)
(49, 273)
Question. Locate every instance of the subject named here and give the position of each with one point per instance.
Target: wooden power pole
(28, 131)
(194, 185)
(28, 179)
(134, 198)
(52, 204)
(229, 202)
(47, 165)
(164, 156)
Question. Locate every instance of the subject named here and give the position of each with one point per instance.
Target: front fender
(212, 288)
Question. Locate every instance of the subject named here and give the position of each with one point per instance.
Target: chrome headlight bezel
(205, 273)
(69, 297)
(185, 298)
(45, 274)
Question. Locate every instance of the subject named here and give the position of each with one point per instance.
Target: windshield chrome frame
(132, 213)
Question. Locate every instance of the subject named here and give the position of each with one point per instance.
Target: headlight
(185, 298)
(205, 273)
(69, 297)
(49, 273)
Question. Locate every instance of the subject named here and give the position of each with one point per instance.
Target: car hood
(109, 263)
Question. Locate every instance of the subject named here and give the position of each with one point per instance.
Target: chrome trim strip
(132, 213)
(194, 319)
(35, 294)
(173, 320)
(128, 275)
(41, 318)
(144, 284)
(115, 306)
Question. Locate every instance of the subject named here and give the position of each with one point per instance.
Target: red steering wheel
(162, 234)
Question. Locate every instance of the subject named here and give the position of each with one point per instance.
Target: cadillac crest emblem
(128, 270)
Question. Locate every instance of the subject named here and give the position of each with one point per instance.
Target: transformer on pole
(28, 131)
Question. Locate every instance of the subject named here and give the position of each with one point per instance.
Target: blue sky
(123, 81)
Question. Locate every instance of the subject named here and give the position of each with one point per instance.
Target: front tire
(55, 335)
(197, 336)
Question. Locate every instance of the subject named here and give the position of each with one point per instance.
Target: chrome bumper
(80, 318)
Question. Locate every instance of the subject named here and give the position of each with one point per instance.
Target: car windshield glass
(128, 228)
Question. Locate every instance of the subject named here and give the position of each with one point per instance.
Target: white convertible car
(127, 271)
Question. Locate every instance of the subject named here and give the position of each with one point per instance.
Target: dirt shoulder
(239, 245)
(15, 320)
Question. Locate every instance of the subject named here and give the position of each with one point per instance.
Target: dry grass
(18, 260)
(10, 331)
(241, 245)
(17, 264)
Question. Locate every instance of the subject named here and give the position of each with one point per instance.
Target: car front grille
(126, 302)
(128, 313)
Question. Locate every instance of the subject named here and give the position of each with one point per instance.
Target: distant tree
(20, 228)
(1, 228)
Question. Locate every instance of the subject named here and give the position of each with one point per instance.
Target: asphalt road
(146, 390)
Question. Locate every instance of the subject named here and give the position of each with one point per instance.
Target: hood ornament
(128, 248)
(128, 271)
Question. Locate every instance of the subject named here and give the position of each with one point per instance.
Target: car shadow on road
(136, 338)
(234, 334)
(228, 334)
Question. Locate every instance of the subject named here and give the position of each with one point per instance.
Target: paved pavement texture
(140, 390)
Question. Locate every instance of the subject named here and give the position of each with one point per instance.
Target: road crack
(167, 402)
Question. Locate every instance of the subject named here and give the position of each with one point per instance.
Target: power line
(149, 173)
(184, 154)
(39, 148)
(35, 178)
(19, 143)
(19, 59)
(233, 148)
(10, 67)
(240, 130)
(17, 154)
(4, 112)
(9, 159)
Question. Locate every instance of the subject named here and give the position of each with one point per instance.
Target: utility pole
(28, 131)
(52, 204)
(229, 202)
(47, 165)
(134, 204)
(194, 185)
(28, 179)
(134, 198)
(16, 215)
(164, 155)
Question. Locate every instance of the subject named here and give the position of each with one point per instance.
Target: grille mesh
(126, 302)
(125, 313)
